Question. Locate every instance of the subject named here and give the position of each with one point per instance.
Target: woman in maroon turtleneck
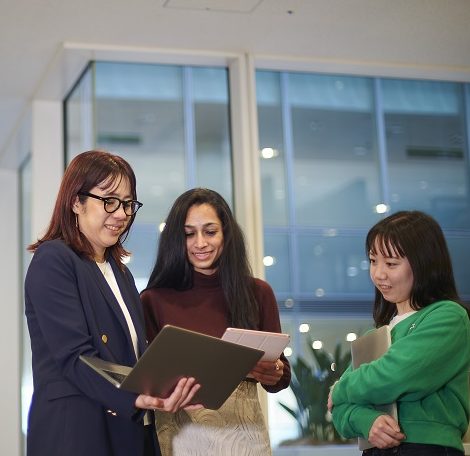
(202, 281)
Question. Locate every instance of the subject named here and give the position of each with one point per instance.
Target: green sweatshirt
(426, 371)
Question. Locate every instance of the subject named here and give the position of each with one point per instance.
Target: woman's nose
(120, 213)
(379, 272)
(200, 240)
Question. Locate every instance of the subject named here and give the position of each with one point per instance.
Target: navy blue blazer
(71, 311)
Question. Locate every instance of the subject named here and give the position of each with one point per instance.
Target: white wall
(12, 310)
(47, 161)
(47, 167)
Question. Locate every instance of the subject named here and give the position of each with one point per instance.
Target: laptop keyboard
(119, 377)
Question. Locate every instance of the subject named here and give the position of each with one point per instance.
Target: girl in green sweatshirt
(426, 369)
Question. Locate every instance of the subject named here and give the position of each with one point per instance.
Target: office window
(78, 115)
(337, 153)
(427, 159)
(321, 132)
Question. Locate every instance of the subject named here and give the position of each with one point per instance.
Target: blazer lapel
(110, 298)
(133, 304)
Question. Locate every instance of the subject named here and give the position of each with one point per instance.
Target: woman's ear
(77, 206)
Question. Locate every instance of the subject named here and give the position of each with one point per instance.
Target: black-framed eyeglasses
(112, 204)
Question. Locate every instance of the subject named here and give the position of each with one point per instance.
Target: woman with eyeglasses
(80, 299)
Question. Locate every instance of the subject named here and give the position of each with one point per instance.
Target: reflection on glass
(425, 129)
(140, 115)
(304, 328)
(273, 166)
(269, 261)
(334, 149)
(79, 117)
(351, 337)
(278, 273)
(329, 182)
(459, 248)
(317, 344)
(332, 265)
(212, 129)
(172, 124)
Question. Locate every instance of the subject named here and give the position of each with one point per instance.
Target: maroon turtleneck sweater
(203, 309)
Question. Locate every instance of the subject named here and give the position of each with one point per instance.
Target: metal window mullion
(381, 142)
(189, 128)
(466, 109)
(88, 110)
(289, 167)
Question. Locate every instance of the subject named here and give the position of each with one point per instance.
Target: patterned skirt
(235, 429)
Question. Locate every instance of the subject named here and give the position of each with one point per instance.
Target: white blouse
(108, 274)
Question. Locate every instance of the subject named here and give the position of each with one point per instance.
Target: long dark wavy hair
(418, 237)
(173, 269)
(87, 170)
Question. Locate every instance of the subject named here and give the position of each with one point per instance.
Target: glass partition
(79, 115)
(337, 153)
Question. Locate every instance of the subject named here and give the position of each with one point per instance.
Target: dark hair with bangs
(418, 237)
(89, 169)
(173, 269)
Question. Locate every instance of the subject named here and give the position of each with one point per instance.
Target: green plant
(311, 385)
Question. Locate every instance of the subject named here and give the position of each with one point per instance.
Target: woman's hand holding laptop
(184, 391)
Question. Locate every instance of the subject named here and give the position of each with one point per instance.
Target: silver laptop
(365, 349)
(218, 366)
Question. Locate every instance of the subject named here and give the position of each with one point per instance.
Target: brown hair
(87, 170)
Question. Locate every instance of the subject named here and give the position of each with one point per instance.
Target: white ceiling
(420, 35)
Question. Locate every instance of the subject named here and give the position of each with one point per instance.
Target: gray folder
(365, 349)
(218, 366)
